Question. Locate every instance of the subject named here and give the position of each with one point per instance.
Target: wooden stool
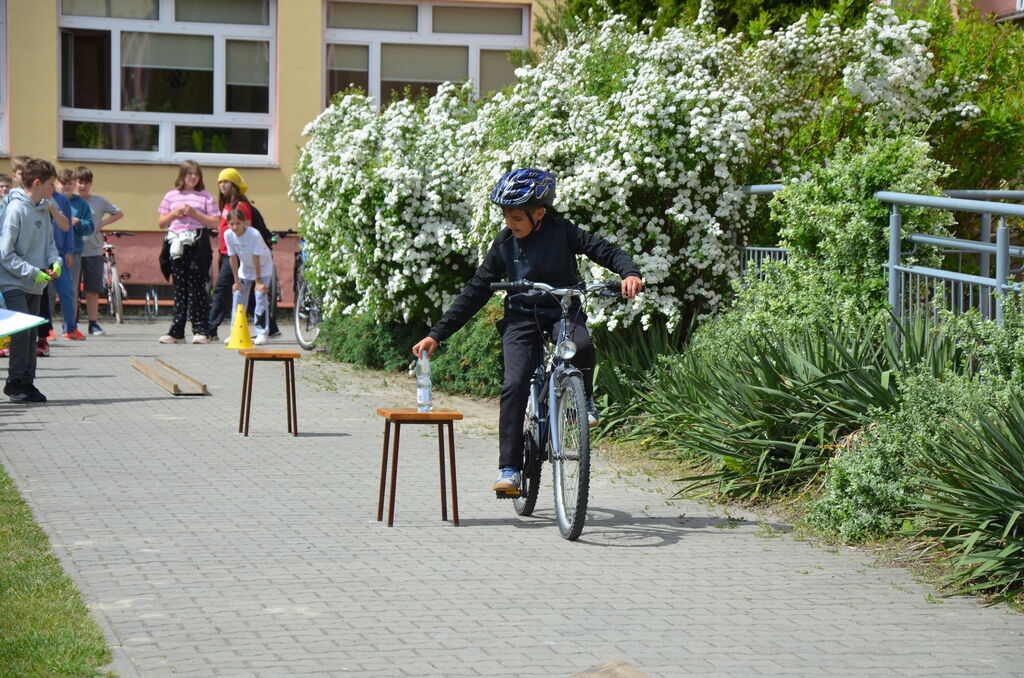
(409, 415)
(288, 358)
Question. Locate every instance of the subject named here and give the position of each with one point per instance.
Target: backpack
(260, 225)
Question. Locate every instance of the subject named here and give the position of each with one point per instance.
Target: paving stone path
(203, 553)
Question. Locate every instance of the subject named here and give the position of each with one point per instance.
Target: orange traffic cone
(239, 331)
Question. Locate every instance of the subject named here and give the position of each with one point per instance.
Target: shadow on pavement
(619, 529)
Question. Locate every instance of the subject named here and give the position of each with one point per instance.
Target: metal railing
(920, 291)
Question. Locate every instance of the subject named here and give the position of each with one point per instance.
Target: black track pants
(521, 341)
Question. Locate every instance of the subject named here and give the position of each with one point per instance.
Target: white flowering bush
(651, 138)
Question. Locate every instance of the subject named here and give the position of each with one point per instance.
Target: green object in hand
(41, 277)
(56, 269)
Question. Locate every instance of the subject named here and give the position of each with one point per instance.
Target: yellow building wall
(34, 101)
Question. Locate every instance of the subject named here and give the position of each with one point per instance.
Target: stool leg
(287, 397)
(440, 459)
(245, 389)
(455, 492)
(394, 475)
(295, 405)
(383, 470)
(248, 399)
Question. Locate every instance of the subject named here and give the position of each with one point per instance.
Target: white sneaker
(168, 339)
(200, 339)
(260, 339)
(227, 340)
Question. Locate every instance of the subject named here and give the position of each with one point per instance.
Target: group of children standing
(245, 261)
(48, 234)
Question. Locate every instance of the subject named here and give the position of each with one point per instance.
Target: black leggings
(521, 340)
(191, 299)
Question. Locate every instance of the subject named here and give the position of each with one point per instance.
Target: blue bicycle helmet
(524, 189)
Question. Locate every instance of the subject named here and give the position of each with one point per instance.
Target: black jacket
(547, 255)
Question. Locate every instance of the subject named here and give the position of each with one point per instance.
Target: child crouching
(251, 263)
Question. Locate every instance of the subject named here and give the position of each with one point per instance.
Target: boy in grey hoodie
(28, 261)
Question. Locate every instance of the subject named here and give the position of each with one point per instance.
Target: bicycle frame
(549, 372)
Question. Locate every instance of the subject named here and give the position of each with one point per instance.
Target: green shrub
(973, 503)
(362, 340)
(625, 358)
(872, 482)
(470, 361)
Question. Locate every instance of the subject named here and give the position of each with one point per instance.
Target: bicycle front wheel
(307, 316)
(572, 461)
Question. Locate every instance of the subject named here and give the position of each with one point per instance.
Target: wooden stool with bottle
(422, 414)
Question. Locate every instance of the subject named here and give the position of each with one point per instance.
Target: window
(388, 49)
(164, 80)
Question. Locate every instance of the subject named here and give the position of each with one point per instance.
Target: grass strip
(45, 628)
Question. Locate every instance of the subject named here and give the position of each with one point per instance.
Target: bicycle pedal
(511, 494)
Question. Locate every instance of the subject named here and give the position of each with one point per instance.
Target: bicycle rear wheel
(307, 316)
(115, 297)
(533, 462)
(572, 462)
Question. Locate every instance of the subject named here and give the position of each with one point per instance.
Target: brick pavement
(203, 553)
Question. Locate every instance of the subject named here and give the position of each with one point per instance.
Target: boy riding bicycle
(540, 247)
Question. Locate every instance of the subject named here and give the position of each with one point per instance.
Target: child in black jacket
(539, 247)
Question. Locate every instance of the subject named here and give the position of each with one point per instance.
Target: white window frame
(424, 35)
(220, 117)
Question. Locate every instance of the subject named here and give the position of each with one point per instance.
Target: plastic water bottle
(424, 398)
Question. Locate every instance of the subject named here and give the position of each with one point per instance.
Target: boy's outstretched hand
(631, 287)
(425, 344)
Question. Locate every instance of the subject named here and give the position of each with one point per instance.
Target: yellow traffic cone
(239, 331)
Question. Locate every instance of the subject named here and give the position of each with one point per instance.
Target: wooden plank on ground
(170, 378)
(616, 668)
(196, 384)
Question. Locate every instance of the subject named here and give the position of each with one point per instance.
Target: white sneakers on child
(200, 339)
(260, 339)
(168, 339)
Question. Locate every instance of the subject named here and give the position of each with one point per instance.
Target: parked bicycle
(113, 287)
(308, 307)
(556, 427)
(306, 313)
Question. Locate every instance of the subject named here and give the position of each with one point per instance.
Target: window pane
(424, 63)
(255, 12)
(166, 73)
(367, 16)
(495, 70)
(221, 140)
(347, 66)
(499, 21)
(85, 69)
(119, 9)
(110, 136)
(248, 76)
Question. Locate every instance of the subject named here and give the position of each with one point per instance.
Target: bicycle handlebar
(117, 234)
(612, 288)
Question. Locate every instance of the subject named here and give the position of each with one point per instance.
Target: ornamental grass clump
(973, 503)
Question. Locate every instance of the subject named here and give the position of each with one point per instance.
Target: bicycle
(113, 287)
(556, 427)
(307, 313)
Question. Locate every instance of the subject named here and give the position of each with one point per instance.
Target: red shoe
(42, 349)
(74, 335)
(5, 352)
(52, 336)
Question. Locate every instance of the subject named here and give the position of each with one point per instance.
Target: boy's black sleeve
(602, 252)
(473, 296)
